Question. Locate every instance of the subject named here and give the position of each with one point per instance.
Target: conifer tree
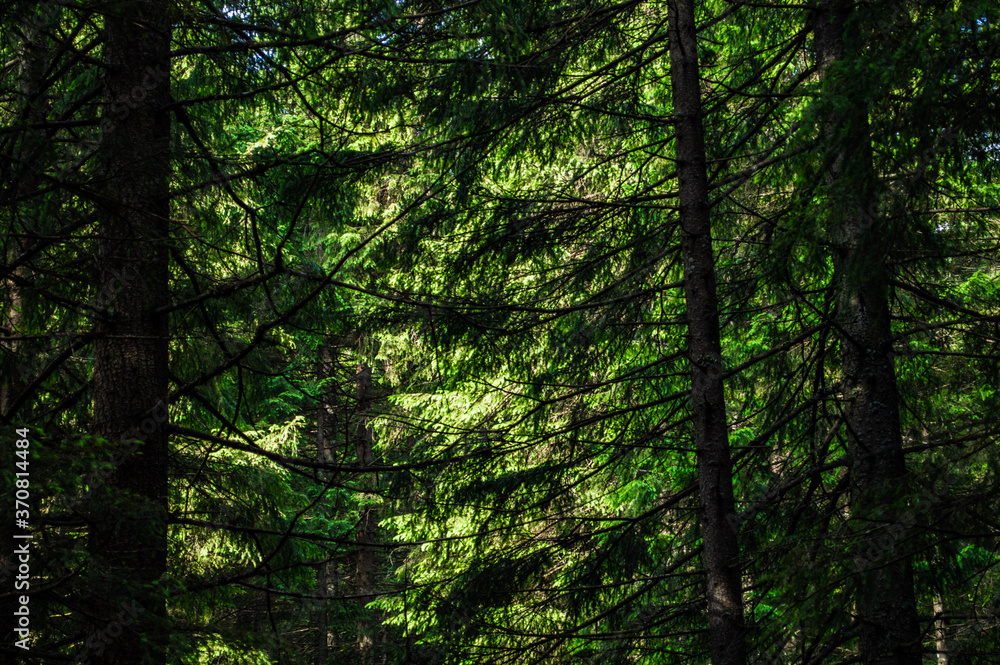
(128, 545)
(720, 549)
(573, 453)
(887, 611)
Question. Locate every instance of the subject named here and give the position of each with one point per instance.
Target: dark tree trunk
(887, 611)
(365, 581)
(128, 539)
(715, 470)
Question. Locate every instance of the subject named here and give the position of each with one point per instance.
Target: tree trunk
(940, 630)
(887, 612)
(324, 637)
(128, 541)
(369, 518)
(715, 470)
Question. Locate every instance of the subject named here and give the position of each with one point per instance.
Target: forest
(514, 332)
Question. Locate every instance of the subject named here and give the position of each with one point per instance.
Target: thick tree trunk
(887, 612)
(365, 579)
(715, 470)
(128, 542)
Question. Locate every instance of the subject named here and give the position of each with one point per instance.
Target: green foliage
(478, 203)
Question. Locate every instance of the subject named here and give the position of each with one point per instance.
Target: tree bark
(940, 630)
(715, 470)
(365, 582)
(128, 540)
(324, 637)
(887, 611)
